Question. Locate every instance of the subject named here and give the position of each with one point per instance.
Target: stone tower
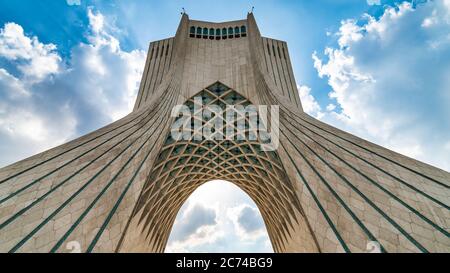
(119, 189)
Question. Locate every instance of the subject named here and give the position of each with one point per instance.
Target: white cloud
(196, 225)
(331, 107)
(193, 219)
(309, 103)
(48, 102)
(26, 126)
(39, 60)
(373, 2)
(96, 21)
(389, 78)
(109, 74)
(349, 31)
(73, 2)
(11, 86)
(247, 222)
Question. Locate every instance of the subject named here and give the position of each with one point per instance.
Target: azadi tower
(119, 189)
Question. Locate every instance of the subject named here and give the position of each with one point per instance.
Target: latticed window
(212, 33)
(224, 33)
(218, 34)
(230, 32)
(243, 31)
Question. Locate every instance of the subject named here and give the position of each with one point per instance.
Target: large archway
(219, 218)
(184, 165)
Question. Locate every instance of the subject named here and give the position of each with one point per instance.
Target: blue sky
(378, 68)
(303, 24)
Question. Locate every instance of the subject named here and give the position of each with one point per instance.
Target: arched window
(199, 32)
(205, 33)
(192, 32)
(230, 32)
(211, 33)
(224, 33)
(237, 32)
(218, 34)
(243, 31)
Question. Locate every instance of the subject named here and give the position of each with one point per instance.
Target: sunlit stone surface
(120, 188)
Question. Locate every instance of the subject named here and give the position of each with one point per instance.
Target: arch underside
(323, 190)
(184, 165)
(120, 187)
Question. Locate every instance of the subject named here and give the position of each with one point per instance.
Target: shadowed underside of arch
(184, 165)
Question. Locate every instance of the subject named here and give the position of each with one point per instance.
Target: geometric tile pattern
(182, 166)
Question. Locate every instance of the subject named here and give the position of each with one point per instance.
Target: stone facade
(119, 189)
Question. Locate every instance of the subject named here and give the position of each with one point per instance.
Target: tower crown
(231, 52)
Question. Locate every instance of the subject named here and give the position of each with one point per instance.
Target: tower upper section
(233, 53)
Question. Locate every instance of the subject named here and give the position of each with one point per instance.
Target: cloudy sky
(377, 68)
